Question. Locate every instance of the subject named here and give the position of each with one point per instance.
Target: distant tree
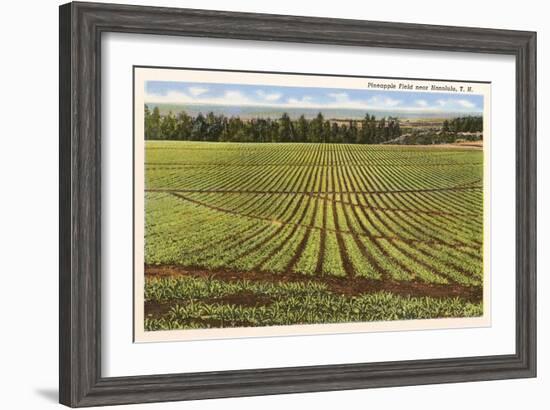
(184, 126)
(392, 129)
(373, 130)
(316, 129)
(327, 132)
(234, 129)
(147, 124)
(199, 128)
(381, 130)
(466, 124)
(273, 131)
(301, 129)
(261, 130)
(335, 135)
(212, 127)
(364, 133)
(168, 126)
(350, 135)
(344, 133)
(285, 128)
(152, 124)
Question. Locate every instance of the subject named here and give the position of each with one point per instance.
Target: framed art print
(281, 204)
(258, 204)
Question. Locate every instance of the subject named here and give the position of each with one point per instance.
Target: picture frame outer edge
(80, 381)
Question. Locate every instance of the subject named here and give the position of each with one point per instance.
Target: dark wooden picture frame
(81, 27)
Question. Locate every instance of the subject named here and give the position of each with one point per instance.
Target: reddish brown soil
(157, 309)
(348, 286)
(247, 299)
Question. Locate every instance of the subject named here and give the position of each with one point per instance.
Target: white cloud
(305, 102)
(196, 91)
(390, 102)
(173, 97)
(269, 96)
(455, 104)
(230, 97)
(234, 98)
(343, 100)
(466, 103)
(334, 100)
(340, 97)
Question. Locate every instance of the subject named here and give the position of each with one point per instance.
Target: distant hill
(275, 112)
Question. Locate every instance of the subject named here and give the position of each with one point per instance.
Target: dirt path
(348, 286)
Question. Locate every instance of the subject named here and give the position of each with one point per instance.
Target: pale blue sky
(309, 97)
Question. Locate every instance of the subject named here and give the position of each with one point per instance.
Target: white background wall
(28, 216)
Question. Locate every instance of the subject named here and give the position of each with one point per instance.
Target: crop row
(199, 303)
(340, 215)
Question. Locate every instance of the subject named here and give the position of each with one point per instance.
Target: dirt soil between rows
(347, 286)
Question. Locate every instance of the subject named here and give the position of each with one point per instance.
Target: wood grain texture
(81, 26)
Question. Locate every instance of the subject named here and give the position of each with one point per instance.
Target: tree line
(212, 127)
(463, 124)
